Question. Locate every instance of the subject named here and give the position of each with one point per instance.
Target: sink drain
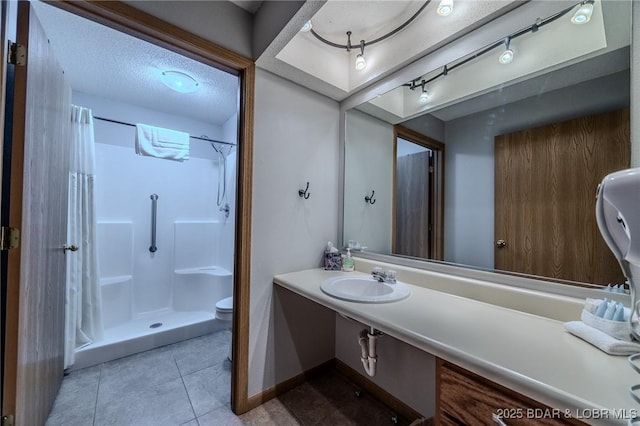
(156, 325)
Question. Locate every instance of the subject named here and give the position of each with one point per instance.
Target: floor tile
(202, 352)
(307, 403)
(209, 388)
(334, 387)
(362, 411)
(219, 417)
(76, 401)
(272, 412)
(148, 389)
(329, 399)
(138, 371)
(164, 404)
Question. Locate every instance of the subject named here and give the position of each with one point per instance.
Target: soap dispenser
(348, 264)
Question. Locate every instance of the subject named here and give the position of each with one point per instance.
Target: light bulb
(424, 97)
(506, 57)
(361, 63)
(445, 8)
(583, 14)
(306, 27)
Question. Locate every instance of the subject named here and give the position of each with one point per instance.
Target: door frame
(437, 187)
(129, 20)
(6, 34)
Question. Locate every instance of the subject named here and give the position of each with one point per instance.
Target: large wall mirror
(514, 152)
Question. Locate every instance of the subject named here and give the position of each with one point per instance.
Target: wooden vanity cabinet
(464, 398)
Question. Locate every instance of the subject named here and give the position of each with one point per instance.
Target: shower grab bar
(154, 212)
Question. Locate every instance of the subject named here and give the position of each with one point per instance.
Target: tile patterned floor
(188, 384)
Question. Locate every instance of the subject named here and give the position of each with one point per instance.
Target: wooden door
(545, 186)
(33, 359)
(413, 205)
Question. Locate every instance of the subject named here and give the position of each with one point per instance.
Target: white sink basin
(364, 289)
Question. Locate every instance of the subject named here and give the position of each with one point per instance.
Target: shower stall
(165, 232)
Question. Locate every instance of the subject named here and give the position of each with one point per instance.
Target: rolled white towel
(617, 329)
(601, 340)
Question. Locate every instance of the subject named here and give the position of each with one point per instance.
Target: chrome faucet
(384, 277)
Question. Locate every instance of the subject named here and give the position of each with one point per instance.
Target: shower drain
(156, 325)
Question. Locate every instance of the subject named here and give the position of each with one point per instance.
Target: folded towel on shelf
(161, 143)
(601, 340)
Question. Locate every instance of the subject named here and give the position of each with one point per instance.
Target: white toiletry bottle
(348, 264)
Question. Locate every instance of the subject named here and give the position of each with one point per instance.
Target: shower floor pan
(146, 333)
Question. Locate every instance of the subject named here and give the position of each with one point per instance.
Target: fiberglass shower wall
(135, 281)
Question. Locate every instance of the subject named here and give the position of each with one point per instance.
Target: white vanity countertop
(530, 354)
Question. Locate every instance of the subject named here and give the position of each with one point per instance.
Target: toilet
(224, 309)
(224, 312)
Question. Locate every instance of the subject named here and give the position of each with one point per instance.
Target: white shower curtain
(83, 316)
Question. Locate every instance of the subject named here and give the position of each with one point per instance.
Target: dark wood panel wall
(545, 186)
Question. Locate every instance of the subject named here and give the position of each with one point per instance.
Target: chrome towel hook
(304, 192)
(369, 199)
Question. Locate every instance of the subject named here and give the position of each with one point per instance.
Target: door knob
(501, 243)
(69, 248)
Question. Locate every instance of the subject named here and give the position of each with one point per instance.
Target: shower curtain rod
(133, 125)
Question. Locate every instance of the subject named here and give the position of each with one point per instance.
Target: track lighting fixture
(445, 7)
(361, 63)
(507, 56)
(583, 14)
(306, 27)
(424, 96)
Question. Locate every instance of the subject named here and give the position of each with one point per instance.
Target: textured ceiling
(101, 61)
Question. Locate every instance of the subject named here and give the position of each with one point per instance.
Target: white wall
(402, 370)
(125, 181)
(368, 167)
(468, 198)
(295, 141)
(406, 147)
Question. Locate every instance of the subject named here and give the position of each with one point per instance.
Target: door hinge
(9, 238)
(17, 54)
(7, 420)
(430, 169)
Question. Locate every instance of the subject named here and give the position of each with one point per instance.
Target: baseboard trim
(377, 392)
(282, 387)
(353, 376)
